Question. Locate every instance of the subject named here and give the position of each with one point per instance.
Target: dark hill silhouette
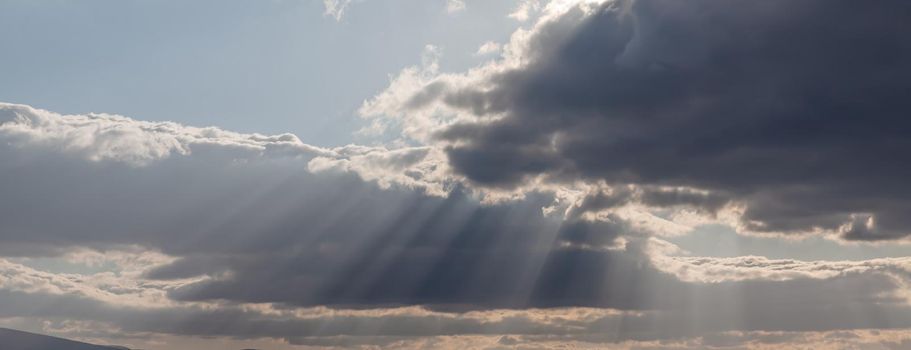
(11, 339)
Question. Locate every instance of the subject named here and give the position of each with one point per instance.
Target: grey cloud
(651, 196)
(710, 202)
(265, 230)
(598, 233)
(234, 322)
(853, 301)
(795, 108)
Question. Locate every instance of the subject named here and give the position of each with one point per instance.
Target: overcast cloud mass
(631, 174)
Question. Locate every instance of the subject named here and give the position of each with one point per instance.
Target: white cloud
(488, 48)
(453, 6)
(105, 137)
(118, 287)
(100, 137)
(525, 10)
(336, 8)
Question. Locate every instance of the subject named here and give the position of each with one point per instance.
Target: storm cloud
(797, 109)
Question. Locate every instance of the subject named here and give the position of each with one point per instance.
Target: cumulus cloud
(711, 270)
(100, 137)
(488, 48)
(525, 9)
(229, 205)
(755, 101)
(169, 230)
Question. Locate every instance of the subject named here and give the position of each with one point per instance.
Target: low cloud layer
(231, 206)
(192, 227)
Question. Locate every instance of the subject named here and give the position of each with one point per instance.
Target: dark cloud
(651, 196)
(797, 108)
(265, 229)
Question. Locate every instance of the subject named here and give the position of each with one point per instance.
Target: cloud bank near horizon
(172, 229)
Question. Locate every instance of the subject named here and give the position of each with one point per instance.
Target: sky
(446, 174)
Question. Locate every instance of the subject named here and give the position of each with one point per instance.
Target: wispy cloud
(336, 8)
(453, 6)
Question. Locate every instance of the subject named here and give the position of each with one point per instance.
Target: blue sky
(247, 65)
